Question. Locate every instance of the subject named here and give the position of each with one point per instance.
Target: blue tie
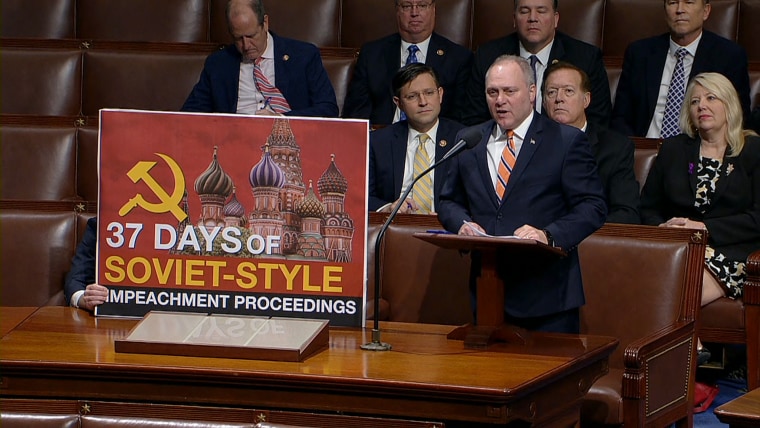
(412, 58)
(675, 98)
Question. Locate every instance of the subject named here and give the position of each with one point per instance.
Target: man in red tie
(552, 195)
(262, 73)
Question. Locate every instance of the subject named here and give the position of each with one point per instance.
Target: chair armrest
(665, 356)
(751, 293)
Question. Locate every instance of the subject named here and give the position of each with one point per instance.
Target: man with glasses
(262, 73)
(401, 151)
(369, 94)
(538, 41)
(645, 104)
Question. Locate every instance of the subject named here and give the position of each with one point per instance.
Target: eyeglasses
(422, 7)
(415, 96)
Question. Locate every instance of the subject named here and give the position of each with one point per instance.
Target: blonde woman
(709, 178)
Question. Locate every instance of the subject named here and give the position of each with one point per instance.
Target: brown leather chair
(313, 21)
(582, 19)
(626, 21)
(38, 19)
(39, 163)
(420, 281)
(87, 163)
(41, 82)
(643, 157)
(143, 20)
(37, 248)
(754, 83)
(642, 285)
(142, 79)
(366, 20)
(749, 16)
(23, 413)
(339, 64)
(725, 320)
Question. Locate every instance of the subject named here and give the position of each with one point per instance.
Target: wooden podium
(489, 324)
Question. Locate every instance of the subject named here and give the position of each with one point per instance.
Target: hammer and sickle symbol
(169, 203)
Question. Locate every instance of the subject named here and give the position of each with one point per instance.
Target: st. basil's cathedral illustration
(283, 206)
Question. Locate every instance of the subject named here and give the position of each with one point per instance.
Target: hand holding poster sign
(233, 215)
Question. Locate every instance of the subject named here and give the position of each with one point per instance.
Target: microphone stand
(376, 344)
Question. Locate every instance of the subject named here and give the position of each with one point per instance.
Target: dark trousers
(568, 321)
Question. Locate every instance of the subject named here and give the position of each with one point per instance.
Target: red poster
(232, 214)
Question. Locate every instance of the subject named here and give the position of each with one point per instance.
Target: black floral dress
(731, 274)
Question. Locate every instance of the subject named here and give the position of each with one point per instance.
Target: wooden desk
(11, 316)
(742, 411)
(64, 353)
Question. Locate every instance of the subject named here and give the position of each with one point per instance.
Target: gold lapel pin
(555, 61)
(285, 57)
(439, 52)
(443, 143)
(729, 168)
(532, 141)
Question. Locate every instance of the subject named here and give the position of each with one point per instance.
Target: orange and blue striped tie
(272, 96)
(506, 164)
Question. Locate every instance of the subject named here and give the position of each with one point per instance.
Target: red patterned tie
(272, 96)
(506, 164)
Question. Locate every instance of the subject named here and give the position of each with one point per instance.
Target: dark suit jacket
(301, 78)
(733, 220)
(370, 93)
(755, 122)
(82, 272)
(636, 93)
(387, 158)
(614, 159)
(554, 186)
(583, 55)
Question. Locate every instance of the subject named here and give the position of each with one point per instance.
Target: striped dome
(214, 181)
(332, 181)
(266, 173)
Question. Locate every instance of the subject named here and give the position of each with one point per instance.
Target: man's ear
(396, 101)
(586, 99)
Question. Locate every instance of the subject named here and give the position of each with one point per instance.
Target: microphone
(470, 137)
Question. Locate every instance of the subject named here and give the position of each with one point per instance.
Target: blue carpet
(728, 390)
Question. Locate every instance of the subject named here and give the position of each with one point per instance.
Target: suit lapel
(440, 150)
(280, 74)
(436, 55)
(702, 60)
(398, 154)
(654, 70)
(529, 145)
(693, 157)
(481, 162)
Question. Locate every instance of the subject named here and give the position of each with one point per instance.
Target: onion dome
(214, 181)
(233, 207)
(266, 173)
(310, 206)
(281, 134)
(332, 181)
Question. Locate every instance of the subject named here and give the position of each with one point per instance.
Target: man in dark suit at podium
(370, 95)
(393, 150)
(533, 178)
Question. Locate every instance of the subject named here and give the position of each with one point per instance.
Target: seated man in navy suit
(567, 93)
(532, 178)
(369, 94)
(80, 289)
(262, 73)
(538, 41)
(651, 68)
(395, 152)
